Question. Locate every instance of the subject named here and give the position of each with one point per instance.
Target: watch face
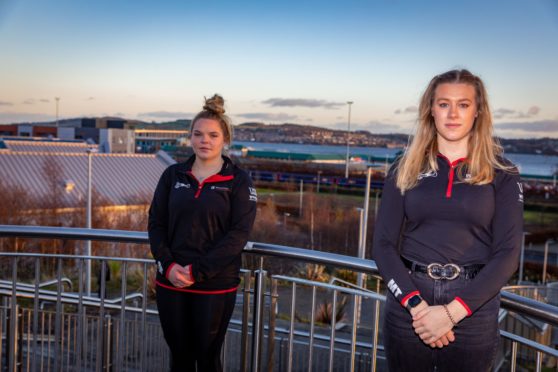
(414, 301)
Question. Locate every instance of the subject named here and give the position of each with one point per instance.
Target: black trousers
(194, 326)
(476, 337)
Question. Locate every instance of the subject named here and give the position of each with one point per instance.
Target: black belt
(447, 272)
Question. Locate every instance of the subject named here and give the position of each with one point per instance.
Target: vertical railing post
(12, 345)
(259, 289)
(376, 328)
(245, 319)
(107, 344)
(36, 315)
(271, 333)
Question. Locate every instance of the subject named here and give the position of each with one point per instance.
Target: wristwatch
(413, 302)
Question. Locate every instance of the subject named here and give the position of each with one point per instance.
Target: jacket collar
(226, 170)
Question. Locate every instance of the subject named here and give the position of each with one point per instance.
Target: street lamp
(348, 139)
(285, 215)
(57, 103)
(90, 152)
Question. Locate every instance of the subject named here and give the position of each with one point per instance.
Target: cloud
(29, 101)
(120, 114)
(533, 110)
(44, 100)
(90, 99)
(543, 126)
(4, 103)
(266, 116)
(167, 114)
(303, 102)
(407, 110)
(23, 117)
(502, 113)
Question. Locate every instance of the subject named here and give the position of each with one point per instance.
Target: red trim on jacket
(409, 296)
(169, 269)
(211, 179)
(451, 174)
(469, 312)
(198, 291)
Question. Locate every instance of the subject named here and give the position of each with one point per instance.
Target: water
(536, 165)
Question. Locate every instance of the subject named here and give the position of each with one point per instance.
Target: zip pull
(200, 186)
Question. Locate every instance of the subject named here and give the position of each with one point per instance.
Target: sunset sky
(276, 62)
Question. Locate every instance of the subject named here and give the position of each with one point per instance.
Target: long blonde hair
(484, 151)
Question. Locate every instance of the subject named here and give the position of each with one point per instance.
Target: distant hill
(310, 134)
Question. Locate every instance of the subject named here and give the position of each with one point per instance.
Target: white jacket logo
(253, 194)
(178, 185)
(394, 288)
(427, 174)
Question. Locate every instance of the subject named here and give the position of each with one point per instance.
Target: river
(529, 164)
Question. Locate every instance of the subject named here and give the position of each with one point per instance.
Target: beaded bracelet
(449, 315)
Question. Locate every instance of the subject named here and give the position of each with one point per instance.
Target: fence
(281, 323)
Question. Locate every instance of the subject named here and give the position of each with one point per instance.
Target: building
(153, 140)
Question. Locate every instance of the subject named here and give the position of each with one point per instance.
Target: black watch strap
(413, 302)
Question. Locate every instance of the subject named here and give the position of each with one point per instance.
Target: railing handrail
(526, 306)
(140, 237)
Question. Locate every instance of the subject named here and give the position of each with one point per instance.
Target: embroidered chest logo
(520, 196)
(220, 188)
(427, 174)
(178, 185)
(253, 194)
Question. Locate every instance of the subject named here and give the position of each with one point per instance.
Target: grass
(538, 217)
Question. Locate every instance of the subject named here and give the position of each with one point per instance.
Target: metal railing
(275, 325)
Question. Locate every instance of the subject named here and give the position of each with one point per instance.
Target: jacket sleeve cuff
(191, 273)
(406, 298)
(169, 267)
(469, 312)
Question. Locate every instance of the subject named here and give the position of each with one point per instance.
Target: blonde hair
(214, 108)
(484, 151)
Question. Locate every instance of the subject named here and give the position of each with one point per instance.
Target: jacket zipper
(211, 179)
(451, 174)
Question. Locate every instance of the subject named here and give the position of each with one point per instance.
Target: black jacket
(206, 225)
(444, 220)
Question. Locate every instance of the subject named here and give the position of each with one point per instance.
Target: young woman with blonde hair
(199, 222)
(448, 233)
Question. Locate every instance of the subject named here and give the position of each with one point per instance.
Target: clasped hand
(180, 277)
(433, 326)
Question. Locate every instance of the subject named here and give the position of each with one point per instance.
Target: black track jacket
(203, 224)
(444, 220)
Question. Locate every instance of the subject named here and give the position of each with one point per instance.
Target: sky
(275, 62)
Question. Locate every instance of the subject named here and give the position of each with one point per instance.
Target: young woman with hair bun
(199, 222)
(448, 233)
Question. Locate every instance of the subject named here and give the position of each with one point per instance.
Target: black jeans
(194, 326)
(476, 337)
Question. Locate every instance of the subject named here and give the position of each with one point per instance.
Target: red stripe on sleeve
(409, 296)
(469, 312)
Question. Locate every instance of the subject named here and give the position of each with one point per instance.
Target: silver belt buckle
(442, 268)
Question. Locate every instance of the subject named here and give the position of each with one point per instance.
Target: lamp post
(90, 152)
(547, 245)
(348, 139)
(285, 215)
(57, 103)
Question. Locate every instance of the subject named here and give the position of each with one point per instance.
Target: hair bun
(215, 104)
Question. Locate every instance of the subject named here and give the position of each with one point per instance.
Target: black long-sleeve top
(446, 221)
(205, 224)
